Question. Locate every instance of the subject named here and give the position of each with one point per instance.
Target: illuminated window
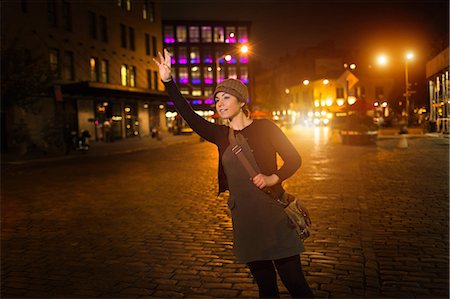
(169, 35)
(242, 35)
(207, 55)
(218, 35)
(230, 35)
(132, 75)
(184, 90)
(244, 74)
(124, 74)
(195, 55)
(183, 75)
(93, 65)
(208, 74)
(195, 75)
(221, 74)
(104, 71)
(194, 34)
(208, 91)
(232, 72)
(206, 34)
(181, 34)
(243, 57)
(128, 5)
(196, 92)
(172, 58)
(182, 55)
(148, 11)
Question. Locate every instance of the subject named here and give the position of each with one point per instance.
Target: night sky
(280, 27)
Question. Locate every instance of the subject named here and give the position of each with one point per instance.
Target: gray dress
(261, 228)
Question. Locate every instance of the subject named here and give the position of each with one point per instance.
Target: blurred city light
(325, 81)
(409, 55)
(382, 60)
(305, 82)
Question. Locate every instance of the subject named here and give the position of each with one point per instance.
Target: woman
(261, 234)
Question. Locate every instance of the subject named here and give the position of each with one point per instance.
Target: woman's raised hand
(165, 70)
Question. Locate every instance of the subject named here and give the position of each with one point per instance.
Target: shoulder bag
(297, 213)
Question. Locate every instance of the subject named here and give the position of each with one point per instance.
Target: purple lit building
(197, 48)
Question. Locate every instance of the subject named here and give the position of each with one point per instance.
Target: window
(221, 74)
(184, 90)
(123, 36)
(92, 25)
(218, 35)
(195, 75)
(131, 35)
(242, 35)
(244, 74)
(195, 55)
(149, 79)
(155, 80)
(155, 49)
(183, 75)
(124, 74)
(181, 34)
(52, 15)
(196, 92)
(148, 11)
(93, 64)
(67, 15)
(169, 35)
(104, 71)
(207, 55)
(103, 29)
(230, 33)
(128, 5)
(172, 58)
(182, 55)
(194, 34)
(147, 44)
(208, 75)
(54, 62)
(208, 91)
(132, 75)
(339, 93)
(206, 34)
(232, 72)
(68, 67)
(243, 57)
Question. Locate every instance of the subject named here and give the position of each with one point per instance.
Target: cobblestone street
(149, 223)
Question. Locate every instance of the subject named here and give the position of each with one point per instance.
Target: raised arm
(201, 126)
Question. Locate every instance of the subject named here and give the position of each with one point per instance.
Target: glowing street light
(325, 81)
(305, 82)
(382, 60)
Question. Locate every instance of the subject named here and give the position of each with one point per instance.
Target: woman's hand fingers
(167, 56)
(259, 181)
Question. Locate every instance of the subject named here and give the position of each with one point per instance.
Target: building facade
(205, 53)
(437, 73)
(99, 55)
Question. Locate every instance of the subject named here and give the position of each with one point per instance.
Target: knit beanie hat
(234, 87)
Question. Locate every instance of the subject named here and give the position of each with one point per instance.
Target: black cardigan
(264, 137)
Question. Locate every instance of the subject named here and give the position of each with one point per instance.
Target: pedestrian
(262, 236)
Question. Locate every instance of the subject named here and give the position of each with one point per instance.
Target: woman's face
(227, 105)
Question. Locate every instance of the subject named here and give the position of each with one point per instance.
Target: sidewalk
(100, 148)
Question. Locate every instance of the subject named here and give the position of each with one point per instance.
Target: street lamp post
(227, 57)
(409, 56)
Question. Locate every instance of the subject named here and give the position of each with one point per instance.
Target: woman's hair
(246, 110)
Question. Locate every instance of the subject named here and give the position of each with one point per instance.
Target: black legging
(291, 274)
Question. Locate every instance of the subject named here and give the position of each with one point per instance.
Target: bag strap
(237, 150)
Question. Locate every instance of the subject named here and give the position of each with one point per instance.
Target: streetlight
(408, 56)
